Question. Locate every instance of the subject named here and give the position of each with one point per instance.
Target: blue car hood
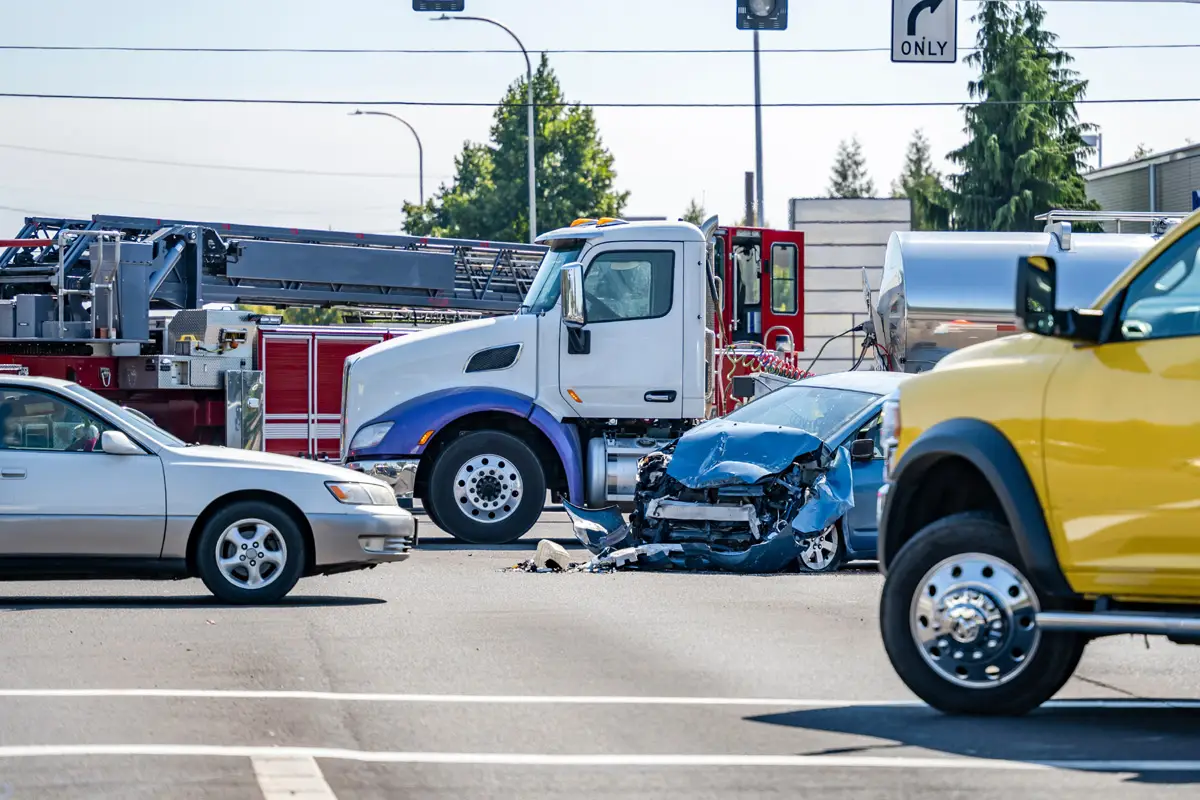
(724, 453)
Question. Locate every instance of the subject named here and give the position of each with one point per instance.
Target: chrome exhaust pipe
(1117, 622)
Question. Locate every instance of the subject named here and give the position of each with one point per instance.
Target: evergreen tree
(489, 198)
(922, 185)
(849, 177)
(1025, 152)
(695, 213)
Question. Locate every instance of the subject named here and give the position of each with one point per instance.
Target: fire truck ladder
(191, 264)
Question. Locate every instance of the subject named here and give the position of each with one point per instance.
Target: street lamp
(420, 149)
(531, 112)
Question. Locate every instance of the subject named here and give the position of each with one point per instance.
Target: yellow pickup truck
(1043, 489)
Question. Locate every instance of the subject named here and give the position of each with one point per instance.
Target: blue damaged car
(786, 481)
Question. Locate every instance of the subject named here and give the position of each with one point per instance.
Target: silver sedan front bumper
(371, 535)
(400, 475)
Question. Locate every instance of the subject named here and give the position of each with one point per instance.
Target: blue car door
(868, 477)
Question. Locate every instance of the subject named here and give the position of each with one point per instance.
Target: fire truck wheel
(487, 487)
(250, 552)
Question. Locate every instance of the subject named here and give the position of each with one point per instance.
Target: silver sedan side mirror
(116, 443)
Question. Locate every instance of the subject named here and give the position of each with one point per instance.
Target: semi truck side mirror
(1036, 294)
(574, 312)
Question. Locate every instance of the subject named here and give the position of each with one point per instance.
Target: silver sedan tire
(250, 552)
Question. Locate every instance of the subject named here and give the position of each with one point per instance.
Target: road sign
(925, 31)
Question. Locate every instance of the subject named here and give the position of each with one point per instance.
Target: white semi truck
(615, 351)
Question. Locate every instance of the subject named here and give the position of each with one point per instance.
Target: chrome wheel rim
(488, 488)
(973, 618)
(251, 554)
(820, 551)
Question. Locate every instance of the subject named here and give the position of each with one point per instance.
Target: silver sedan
(91, 490)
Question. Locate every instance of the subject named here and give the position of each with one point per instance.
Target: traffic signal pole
(760, 215)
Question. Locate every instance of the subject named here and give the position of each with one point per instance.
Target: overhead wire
(555, 52)
(197, 165)
(493, 104)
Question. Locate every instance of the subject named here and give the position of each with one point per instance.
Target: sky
(664, 157)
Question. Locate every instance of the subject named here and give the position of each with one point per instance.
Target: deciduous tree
(489, 198)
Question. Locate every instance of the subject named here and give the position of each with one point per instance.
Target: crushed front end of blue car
(731, 496)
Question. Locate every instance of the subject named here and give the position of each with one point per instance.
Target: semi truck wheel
(487, 487)
(957, 619)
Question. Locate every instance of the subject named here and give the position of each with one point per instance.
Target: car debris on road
(734, 497)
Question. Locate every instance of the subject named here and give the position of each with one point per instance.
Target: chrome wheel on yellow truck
(958, 619)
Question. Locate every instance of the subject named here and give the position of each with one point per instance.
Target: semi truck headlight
(362, 494)
(371, 435)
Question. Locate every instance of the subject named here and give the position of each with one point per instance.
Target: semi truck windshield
(543, 294)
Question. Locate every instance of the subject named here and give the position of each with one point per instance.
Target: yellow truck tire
(958, 619)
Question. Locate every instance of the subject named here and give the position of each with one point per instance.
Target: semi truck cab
(609, 357)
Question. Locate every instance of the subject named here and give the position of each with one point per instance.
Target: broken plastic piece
(551, 555)
(598, 529)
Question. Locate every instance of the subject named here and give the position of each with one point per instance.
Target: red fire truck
(148, 312)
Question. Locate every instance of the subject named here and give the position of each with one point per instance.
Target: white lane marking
(290, 777)
(631, 700)
(588, 760)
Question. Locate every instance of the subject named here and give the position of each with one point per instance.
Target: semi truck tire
(487, 487)
(957, 620)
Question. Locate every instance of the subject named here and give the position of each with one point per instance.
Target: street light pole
(531, 113)
(760, 217)
(420, 149)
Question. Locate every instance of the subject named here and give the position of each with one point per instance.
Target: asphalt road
(449, 677)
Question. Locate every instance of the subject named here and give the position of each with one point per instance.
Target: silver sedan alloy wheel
(251, 554)
(973, 619)
(488, 488)
(820, 551)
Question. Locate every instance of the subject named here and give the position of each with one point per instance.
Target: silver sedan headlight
(362, 494)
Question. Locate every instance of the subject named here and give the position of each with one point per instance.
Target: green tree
(695, 213)
(300, 315)
(922, 185)
(1141, 152)
(489, 198)
(1025, 152)
(850, 178)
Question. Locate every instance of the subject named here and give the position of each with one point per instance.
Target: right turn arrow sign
(925, 31)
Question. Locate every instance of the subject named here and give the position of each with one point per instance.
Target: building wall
(841, 237)
(1126, 187)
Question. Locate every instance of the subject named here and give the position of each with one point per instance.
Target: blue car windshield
(543, 294)
(818, 410)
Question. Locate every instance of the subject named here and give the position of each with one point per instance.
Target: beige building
(1161, 182)
(841, 237)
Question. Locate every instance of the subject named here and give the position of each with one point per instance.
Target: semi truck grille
(494, 358)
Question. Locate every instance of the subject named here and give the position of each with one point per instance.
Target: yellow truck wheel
(958, 619)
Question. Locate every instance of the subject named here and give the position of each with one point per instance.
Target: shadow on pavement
(446, 542)
(1135, 734)
(31, 603)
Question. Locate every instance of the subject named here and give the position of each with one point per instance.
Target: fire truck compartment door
(628, 362)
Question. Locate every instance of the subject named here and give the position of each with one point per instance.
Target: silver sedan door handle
(12, 472)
